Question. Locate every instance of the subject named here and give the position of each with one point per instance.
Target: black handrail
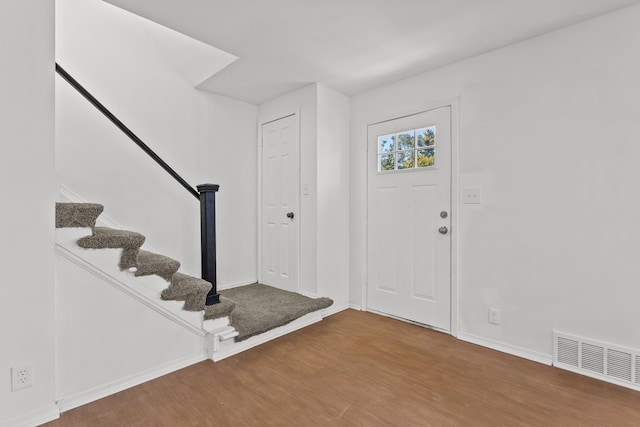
(206, 192)
(77, 86)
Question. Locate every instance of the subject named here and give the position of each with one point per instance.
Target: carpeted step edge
(149, 263)
(223, 309)
(128, 241)
(191, 290)
(77, 214)
(238, 317)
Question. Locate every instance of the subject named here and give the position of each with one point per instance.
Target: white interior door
(409, 218)
(280, 201)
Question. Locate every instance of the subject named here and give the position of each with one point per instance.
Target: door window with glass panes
(406, 150)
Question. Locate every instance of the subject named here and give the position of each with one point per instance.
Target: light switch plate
(471, 196)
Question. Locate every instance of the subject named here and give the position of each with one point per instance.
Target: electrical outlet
(494, 316)
(21, 377)
(471, 196)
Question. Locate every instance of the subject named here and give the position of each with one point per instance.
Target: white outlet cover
(21, 377)
(471, 196)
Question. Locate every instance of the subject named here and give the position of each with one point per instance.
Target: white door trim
(453, 103)
(263, 121)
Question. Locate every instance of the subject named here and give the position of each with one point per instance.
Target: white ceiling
(353, 45)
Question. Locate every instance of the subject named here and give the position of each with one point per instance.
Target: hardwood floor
(360, 369)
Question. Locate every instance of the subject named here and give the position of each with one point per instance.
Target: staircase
(246, 316)
(140, 263)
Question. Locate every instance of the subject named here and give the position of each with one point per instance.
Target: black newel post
(208, 241)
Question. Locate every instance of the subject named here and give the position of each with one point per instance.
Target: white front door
(280, 202)
(409, 218)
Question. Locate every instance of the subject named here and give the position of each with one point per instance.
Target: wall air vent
(596, 359)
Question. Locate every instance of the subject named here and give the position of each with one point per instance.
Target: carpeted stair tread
(191, 290)
(77, 214)
(104, 237)
(223, 309)
(149, 263)
(259, 308)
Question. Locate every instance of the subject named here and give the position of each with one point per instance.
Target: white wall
(333, 195)
(548, 129)
(108, 341)
(204, 137)
(324, 154)
(28, 188)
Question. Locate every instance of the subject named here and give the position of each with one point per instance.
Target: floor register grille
(608, 362)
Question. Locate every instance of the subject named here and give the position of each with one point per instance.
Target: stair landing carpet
(260, 308)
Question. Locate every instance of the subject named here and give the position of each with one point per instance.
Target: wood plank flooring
(360, 369)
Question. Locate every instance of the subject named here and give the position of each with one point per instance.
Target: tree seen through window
(410, 149)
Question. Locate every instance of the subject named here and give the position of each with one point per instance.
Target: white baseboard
(355, 306)
(333, 309)
(238, 347)
(534, 356)
(99, 392)
(34, 418)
